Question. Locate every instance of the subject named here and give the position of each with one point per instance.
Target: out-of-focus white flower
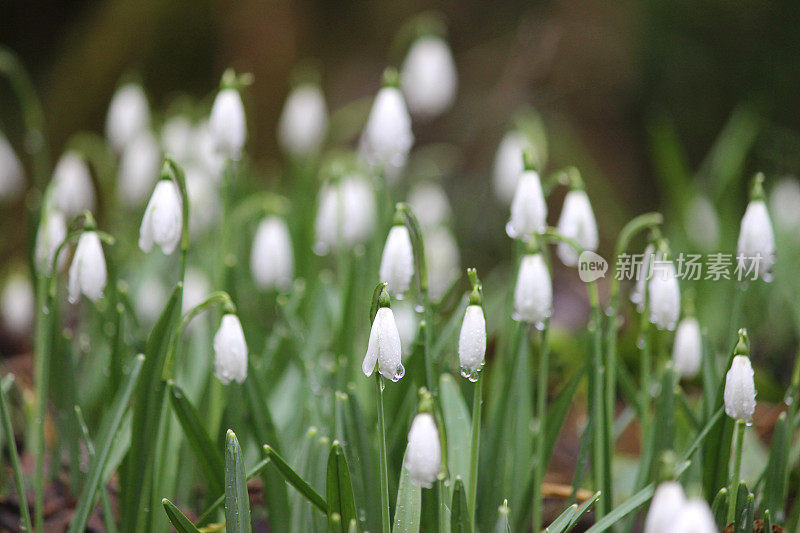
(429, 78)
(52, 232)
(429, 203)
(740, 390)
(272, 258)
(17, 304)
(196, 288)
(304, 121)
(177, 139)
(230, 351)
(407, 324)
(695, 517)
(687, 351)
(128, 116)
(756, 248)
(346, 214)
(442, 260)
(578, 223)
(205, 152)
(387, 136)
(639, 292)
(138, 169)
(508, 164)
(227, 123)
(424, 453)
(12, 178)
(162, 220)
(528, 209)
(397, 261)
(73, 190)
(151, 296)
(384, 347)
(668, 501)
(87, 273)
(664, 295)
(472, 340)
(784, 201)
(204, 200)
(701, 222)
(533, 294)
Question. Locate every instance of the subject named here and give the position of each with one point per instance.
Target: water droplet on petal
(539, 325)
(399, 372)
(510, 231)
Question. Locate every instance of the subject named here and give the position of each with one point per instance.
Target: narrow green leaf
(664, 435)
(409, 504)
(775, 484)
(457, 427)
(19, 481)
(237, 501)
(503, 524)
(719, 508)
(295, 480)
(253, 472)
(582, 510)
(559, 525)
(178, 519)
(623, 509)
(717, 449)
(767, 521)
(460, 520)
(743, 509)
(557, 412)
(339, 489)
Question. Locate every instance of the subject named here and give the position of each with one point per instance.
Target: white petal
(304, 121)
(756, 238)
(508, 164)
(73, 190)
(429, 78)
(230, 351)
(424, 453)
(694, 517)
(668, 501)
(533, 293)
(577, 222)
(128, 115)
(271, 259)
(740, 390)
(387, 137)
(528, 209)
(687, 351)
(390, 357)
(397, 261)
(472, 339)
(664, 295)
(227, 123)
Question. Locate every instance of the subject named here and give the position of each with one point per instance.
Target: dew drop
(382, 384)
(539, 325)
(399, 372)
(516, 316)
(788, 400)
(640, 342)
(768, 277)
(321, 248)
(510, 231)
(419, 308)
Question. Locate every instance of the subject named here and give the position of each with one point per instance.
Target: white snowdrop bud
(346, 214)
(701, 222)
(87, 273)
(508, 165)
(230, 351)
(387, 137)
(442, 260)
(196, 289)
(694, 517)
(533, 294)
(528, 209)
(204, 151)
(429, 202)
(384, 347)
(687, 351)
(128, 115)
(756, 248)
(424, 452)
(643, 274)
(472, 341)
(304, 121)
(397, 261)
(73, 190)
(784, 203)
(204, 200)
(407, 324)
(740, 390)
(664, 295)
(578, 223)
(162, 220)
(12, 178)
(668, 501)
(17, 304)
(177, 139)
(52, 232)
(272, 258)
(227, 123)
(138, 169)
(151, 296)
(429, 77)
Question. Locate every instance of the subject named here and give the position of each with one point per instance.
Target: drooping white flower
(272, 258)
(204, 200)
(578, 223)
(397, 261)
(196, 289)
(643, 274)
(230, 351)
(694, 517)
(73, 190)
(472, 340)
(528, 209)
(701, 222)
(407, 324)
(12, 178)
(17, 304)
(205, 151)
(384, 347)
(304, 121)
(740, 390)
(784, 203)
(151, 296)
(429, 77)
(87, 273)
(508, 165)
(52, 232)
(387, 136)
(533, 293)
(664, 295)
(442, 260)
(687, 351)
(162, 220)
(178, 138)
(128, 116)
(668, 502)
(138, 169)
(429, 203)
(424, 452)
(346, 214)
(756, 247)
(227, 123)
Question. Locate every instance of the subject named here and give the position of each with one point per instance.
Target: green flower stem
(384, 469)
(541, 435)
(172, 171)
(477, 400)
(738, 439)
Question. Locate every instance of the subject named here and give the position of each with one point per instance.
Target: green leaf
(557, 412)
(717, 449)
(253, 472)
(211, 462)
(719, 508)
(457, 428)
(503, 524)
(559, 525)
(19, 481)
(306, 490)
(460, 519)
(339, 489)
(409, 504)
(582, 510)
(777, 472)
(237, 501)
(623, 509)
(178, 519)
(744, 510)
(767, 521)
(104, 443)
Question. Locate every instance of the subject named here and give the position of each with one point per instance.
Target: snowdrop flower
(533, 294)
(227, 123)
(576, 222)
(643, 275)
(128, 115)
(52, 232)
(397, 261)
(701, 222)
(204, 200)
(668, 501)
(17, 304)
(687, 351)
(205, 151)
(472, 341)
(346, 214)
(196, 289)
(407, 324)
(784, 201)
(177, 138)
(12, 178)
(272, 258)
(150, 299)
(138, 169)
(304, 121)
(694, 517)
(384, 348)
(528, 209)
(664, 295)
(162, 220)
(756, 247)
(424, 453)
(429, 77)
(740, 390)
(429, 202)
(87, 273)
(230, 351)
(442, 260)
(508, 164)
(73, 190)
(387, 137)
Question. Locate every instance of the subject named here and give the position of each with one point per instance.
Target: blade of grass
(108, 511)
(295, 480)
(503, 523)
(457, 426)
(562, 521)
(19, 480)
(178, 519)
(409, 504)
(777, 469)
(253, 472)
(582, 510)
(460, 520)
(237, 501)
(339, 488)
